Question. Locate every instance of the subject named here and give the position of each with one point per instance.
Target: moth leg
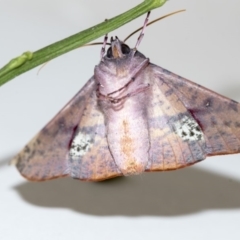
(103, 50)
(141, 88)
(142, 32)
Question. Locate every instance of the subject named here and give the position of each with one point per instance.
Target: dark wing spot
(84, 147)
(222, 133)
(27, 149)
(194, 97)
(166, 71)
(199, 137)
(216, 137)
(198, 129)
(191, 134)
(61, 122)
(227, 123)
(169, 92)
(184, 134)
(208, 102)
(41, 152)
(213, 121)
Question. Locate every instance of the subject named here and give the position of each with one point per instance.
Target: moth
(132, 116)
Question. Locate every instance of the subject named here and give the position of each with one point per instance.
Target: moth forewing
(217, 116)
(89, 155)
(46, 156)
(170, 128)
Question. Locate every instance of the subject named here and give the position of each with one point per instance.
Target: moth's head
(118, 49)
(120, 59)
(118, 66)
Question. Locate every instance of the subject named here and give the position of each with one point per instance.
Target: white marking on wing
(81, 144)
(188, 129)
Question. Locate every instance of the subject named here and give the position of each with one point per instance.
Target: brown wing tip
(35, 178)
(14, 161)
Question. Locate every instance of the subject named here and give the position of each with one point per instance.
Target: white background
(200, 202)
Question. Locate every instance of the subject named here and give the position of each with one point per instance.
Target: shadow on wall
(175, 193)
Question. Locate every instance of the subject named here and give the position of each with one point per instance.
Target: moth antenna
(95, 43)
(103, 47)
(158, 19)
(42, 67)
(142, 32)
(86, 45)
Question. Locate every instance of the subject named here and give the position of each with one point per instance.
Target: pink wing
(217, 117)
(47, 154)
(89, 156)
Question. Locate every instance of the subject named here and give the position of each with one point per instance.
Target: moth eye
(125, 49)
(109, 52)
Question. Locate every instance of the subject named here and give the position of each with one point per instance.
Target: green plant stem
(29, 60)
